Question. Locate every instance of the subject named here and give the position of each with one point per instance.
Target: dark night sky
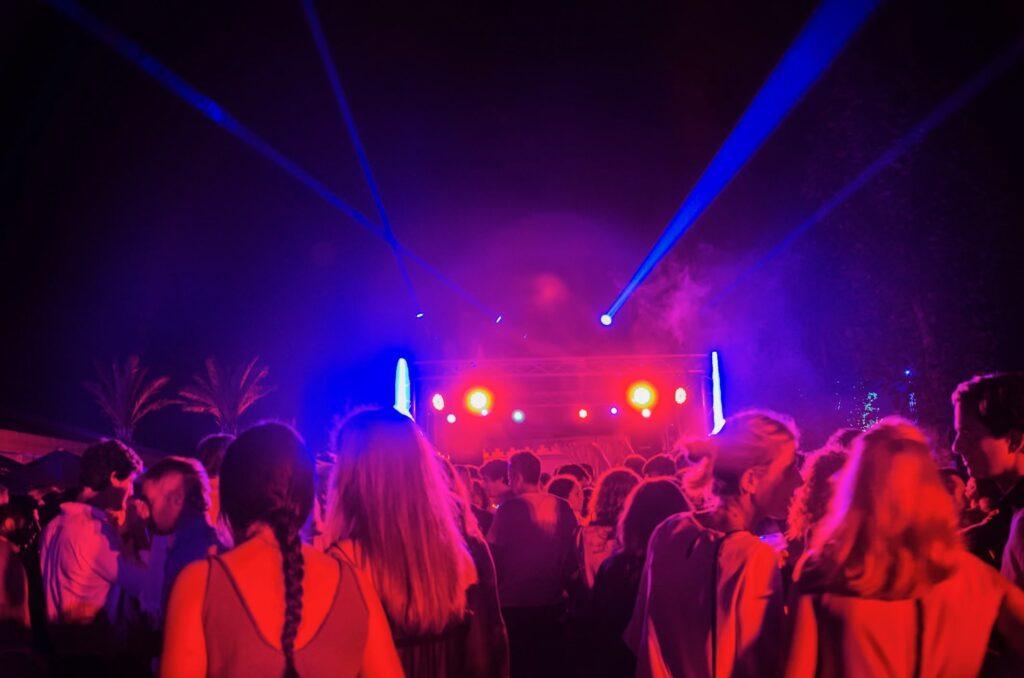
(533, 153)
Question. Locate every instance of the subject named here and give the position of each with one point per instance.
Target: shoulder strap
(919, 649)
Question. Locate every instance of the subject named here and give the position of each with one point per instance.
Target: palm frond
(126, 394)
(225, 395)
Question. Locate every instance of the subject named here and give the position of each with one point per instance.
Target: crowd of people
(736, 554)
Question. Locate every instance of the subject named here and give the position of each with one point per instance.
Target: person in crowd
(988, 413)
(659, 466)
(476, 497)
(533, 540)
(568, 488)
(811, 500)
(597, 536)
(635, 463)
(82, 558)
(711, 600)
(956, 485)
(617, 580)
(494, 476)
(394, 518)
(886, 587)
(14, 603)
(696, 480)
(210, 453)
(273, 606)
(176, 492)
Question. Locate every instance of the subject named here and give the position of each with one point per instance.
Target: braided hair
(268, 477)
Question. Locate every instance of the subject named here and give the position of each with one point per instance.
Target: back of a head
(196, 482)
(210, 452)
(105, 457)
(811, 500)
(891, 531)
(635, 463)
(749, 439)
(997, 400)
(268, 477)
(574, 470)
(659, 466)
(389, 494)
(650, 503)
(495, 470)
(562, 486)
(526, 466)
(613, 486)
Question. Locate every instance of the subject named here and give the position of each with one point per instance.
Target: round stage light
(642, 394)
(646, 413)
(583, 414)
(614, 410)
(680, 395)
(479, 401)
(606, 320)
(450, 418)
(437, 401)
(518, 416)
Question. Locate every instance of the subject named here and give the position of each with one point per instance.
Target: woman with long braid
(272, 606)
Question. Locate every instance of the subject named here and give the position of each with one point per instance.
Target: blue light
(812, 51)
(420, 314)
(497, 321)
(606, 319)
(716, 395)
(518, 416)
(906, 372)
(403, 388)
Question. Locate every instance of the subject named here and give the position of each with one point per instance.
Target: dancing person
(617, 580)
(210, 453)
(988, 414)
(597, 537)
(886, 585)
(273, 606)
(710, 601)
(393, 516)
(533, 540)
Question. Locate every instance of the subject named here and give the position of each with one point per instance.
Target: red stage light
(450, 418)
(437, 401)
(646, 412)
(478, 401)
(680, 395)
(642, 394)
(583, 413)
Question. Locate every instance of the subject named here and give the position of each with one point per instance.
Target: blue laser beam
(817, 45)
(132, 52)
(316, 28)
(950, 105)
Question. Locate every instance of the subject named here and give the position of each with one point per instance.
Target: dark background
(532, 152)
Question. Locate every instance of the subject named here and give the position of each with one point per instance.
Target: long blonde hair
(389, 496)
(891, 530)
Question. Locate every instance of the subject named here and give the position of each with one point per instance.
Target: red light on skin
(583, 413)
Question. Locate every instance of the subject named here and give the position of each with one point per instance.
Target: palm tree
(226, 396)
(126, 394)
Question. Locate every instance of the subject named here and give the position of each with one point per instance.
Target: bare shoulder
(193, 577)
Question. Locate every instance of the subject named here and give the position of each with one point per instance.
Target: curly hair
(810, 503)
(108, 456)
(613, 486)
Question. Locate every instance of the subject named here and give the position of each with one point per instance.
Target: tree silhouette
(226, 396)
(126, 394)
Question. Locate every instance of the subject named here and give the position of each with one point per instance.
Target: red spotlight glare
(642, 394)
(646, 413)
(680, 395)
(583, 413)
(479, 401)
(437, 401)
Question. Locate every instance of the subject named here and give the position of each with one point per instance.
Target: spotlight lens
(646, 412)
(437, 401)
(641, 394)
(479, 401)
(680, 395)
(484, 413)
(420, 314)
(450, 418)
(583, 413)
(606, 320)
(614, 410)
(518, 416)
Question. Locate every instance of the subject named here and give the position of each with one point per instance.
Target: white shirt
(83, 565)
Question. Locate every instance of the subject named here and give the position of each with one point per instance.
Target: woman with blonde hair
(886, 587)
(597, 536)
(392, 515)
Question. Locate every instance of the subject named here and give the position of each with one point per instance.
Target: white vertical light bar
(716, 395)
(403, 388)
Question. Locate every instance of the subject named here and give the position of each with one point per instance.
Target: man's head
(523, 472)
(210, 452)
(108, 469)
(174, 487)
(988, 413)
(494, 477)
